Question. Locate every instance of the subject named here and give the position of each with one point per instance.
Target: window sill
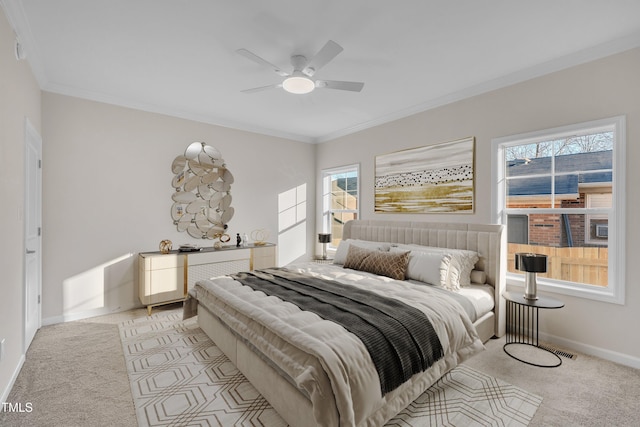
(596, 293)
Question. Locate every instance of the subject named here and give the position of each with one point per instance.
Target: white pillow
(468, 263)
(461, 264)
(478, 277)
(466, 260)
(343, 248)
(428, 267)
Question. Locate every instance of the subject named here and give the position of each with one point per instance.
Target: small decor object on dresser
(165, 246)
(260, 236)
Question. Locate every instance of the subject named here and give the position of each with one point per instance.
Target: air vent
(558, 352)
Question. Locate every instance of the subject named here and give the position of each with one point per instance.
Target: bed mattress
(325, 362)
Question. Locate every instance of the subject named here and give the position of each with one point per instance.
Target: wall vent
(562, 353)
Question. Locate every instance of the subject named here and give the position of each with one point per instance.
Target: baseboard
(86, 314)
(14, 377)
(602, 353)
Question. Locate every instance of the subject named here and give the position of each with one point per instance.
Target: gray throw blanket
(399, 338)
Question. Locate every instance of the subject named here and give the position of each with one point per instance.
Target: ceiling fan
(300, 80)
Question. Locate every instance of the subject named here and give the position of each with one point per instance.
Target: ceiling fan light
(298, 85)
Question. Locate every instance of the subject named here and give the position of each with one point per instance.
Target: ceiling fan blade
(256, 58)
(329, 51)
(261, 88)
(333, 84)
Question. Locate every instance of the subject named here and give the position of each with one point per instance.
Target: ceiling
(178, 57)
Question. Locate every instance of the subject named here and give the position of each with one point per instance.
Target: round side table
(523, 322)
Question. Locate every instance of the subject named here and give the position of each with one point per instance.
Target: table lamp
(531, 264)
(324, 238)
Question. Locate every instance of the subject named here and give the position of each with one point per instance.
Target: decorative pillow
(343, 248)
(462, 262)
(428, 267)
(468, 261)
(355, 256)
(390, 264)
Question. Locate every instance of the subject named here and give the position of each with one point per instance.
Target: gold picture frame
(437, 178)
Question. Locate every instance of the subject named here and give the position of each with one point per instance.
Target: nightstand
(523, 322)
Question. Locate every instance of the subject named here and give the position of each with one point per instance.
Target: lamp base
(530, 286)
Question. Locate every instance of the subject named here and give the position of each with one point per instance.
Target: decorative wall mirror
(202, 198)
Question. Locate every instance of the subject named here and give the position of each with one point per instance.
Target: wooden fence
(583, 265)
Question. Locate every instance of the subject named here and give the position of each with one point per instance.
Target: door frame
(32, 139)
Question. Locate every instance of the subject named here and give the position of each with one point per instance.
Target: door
(32, 233)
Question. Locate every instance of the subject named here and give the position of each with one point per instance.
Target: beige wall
(107, 196)
(600, 89)
(19, 99)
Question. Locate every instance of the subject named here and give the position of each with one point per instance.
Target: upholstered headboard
(489, 240)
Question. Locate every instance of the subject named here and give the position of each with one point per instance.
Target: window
(596, 230)
(561, 193)
(340, 200)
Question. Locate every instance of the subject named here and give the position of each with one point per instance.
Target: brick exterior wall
(545, 230)
(549, 229)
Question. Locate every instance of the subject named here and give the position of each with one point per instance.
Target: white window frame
(326, 199)
(615, 291)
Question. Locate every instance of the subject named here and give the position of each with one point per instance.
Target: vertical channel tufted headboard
(489, 240)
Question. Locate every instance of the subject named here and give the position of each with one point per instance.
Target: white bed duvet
(328, 364)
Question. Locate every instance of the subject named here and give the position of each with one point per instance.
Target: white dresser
(166, 278)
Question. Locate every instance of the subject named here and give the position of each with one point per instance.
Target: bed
(315, 372)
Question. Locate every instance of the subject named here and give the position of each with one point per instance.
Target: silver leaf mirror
(202, 199)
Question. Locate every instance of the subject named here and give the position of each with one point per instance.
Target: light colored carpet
(179, 377)
(75, 375)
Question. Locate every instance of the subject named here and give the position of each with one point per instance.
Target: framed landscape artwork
(432, 179)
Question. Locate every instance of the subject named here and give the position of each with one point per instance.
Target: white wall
(603, 88)
(19, 99)
(107, 195)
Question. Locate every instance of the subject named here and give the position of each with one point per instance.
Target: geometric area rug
(467, 397)
(179, 377)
